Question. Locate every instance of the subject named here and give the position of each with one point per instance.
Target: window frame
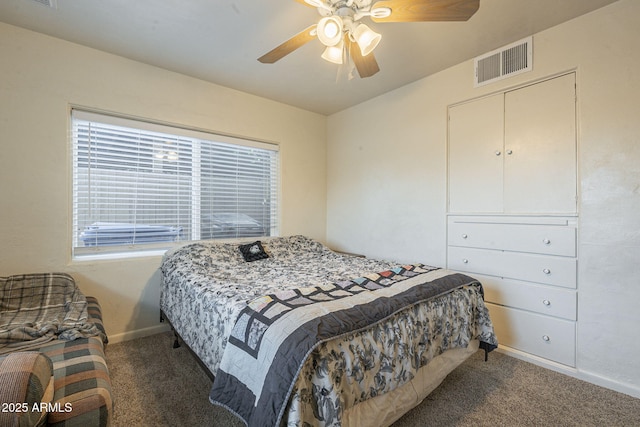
(80, 252)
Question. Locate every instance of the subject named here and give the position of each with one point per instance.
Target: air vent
(505, 62)
(53, 4)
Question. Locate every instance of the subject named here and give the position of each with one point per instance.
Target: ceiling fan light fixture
(340, 21)
(366, 38)
(330, 30)
(334, 54)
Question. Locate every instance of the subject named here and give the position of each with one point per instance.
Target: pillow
(292, 247)
(253, 251)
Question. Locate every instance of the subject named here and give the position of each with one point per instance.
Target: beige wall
(387, 157)
(40, 77)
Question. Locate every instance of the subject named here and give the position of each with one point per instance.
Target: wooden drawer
(549, 270)
(539, 239)
(547, 300)
(543, 336)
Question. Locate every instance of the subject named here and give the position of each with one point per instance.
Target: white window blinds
(139, 185)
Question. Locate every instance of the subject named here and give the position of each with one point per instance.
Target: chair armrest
(26, 388)
(95, 316)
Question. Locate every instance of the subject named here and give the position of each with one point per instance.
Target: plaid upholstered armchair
(52, 364)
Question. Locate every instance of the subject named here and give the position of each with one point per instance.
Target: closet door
(540, 148)
(476, 155)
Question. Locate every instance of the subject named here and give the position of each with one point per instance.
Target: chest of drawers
(528, 268)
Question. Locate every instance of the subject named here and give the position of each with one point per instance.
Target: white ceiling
(220, 41)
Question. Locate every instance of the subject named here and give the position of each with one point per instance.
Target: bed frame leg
(176, 341)
(176, 337)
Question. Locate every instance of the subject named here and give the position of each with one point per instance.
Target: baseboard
(545, 363)
(610, 384)
(572, 372)
(138, 333)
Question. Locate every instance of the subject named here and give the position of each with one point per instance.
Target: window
(139, 185)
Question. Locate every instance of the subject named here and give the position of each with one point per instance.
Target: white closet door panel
(540, 148)
(541, 239)
(543, 336)
(549, 270)
(476, 155)
(548, 300)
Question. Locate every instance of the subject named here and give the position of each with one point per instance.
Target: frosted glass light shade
(330, 30)
(334, 53)
(366, 38)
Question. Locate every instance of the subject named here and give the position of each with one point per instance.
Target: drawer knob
(546, 338)
(464, 236)
(546, 271)
(546, 241)
(498, 153)
(509, 152)
(465, 261)
(546, 302)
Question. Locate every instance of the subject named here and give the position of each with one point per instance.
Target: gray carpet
(156, 385)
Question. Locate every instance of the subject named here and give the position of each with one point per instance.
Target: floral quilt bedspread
(207, 285)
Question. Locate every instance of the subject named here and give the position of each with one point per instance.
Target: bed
(296, 334)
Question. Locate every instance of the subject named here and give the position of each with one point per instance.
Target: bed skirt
(387, 408)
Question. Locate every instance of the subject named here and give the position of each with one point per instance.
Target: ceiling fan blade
(289, 46)
(428, 10)
(367, 66)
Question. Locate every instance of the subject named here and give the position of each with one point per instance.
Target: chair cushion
(82, 386)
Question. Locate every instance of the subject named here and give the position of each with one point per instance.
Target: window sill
(150, 253)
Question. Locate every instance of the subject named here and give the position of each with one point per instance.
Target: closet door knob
(546, 338)
(546, 302)
(546, 271)
(498, 152)
(509, 152)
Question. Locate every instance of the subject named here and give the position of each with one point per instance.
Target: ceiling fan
(344, 36)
